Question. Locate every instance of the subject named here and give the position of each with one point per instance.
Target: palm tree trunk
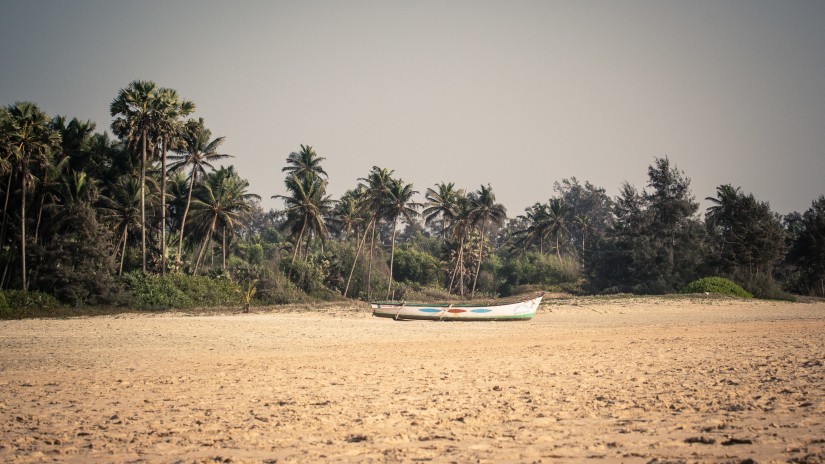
(458, 267)
(203, 245)
(297, 245)
(558, 248)
(123, 252)
(6, 209)
(357, 254)
(163, 207)
(192, 182)
(392, 256)
(223, 249)
(369, 267)
(23, 223)
(143, 199)
(480, 258)
(39, 217)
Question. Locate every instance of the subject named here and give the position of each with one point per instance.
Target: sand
(626, 380)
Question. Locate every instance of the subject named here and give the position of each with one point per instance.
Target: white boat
(517, 311)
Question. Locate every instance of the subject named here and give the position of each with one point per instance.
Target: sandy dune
(635, 380)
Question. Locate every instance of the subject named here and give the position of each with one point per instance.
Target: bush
(154, 292)
(411, 265)
(718, 285)
(5, 310)
(539, 270)
(19, 304)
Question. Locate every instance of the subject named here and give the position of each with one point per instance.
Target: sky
(515, 94)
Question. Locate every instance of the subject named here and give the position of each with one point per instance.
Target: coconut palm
(121, 209)
(30, 138)
(135, 113)
(724, 204)
(197, 151)
(306, 205)
(348, 215)
(460, 227)
(170, 109)
(485, 211)
(221, 203)
(305, 163)
(440, 206)
(398, 204)
(375, 187)
(556, 225)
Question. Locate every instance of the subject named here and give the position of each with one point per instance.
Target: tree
(532, 229)
(375, 188)
(197, 151)
(460, 228)
(808, 252)
(746, 235)
(307, 205)
(589, 212)
(655, 244)
(222, 203)
(30, 138)
(440, 206)
(304, 163)
(556, 222)
(170, 109)
(121, 209)
(671, 204)
(398, 204)
(347, 215)
(135, 114)
(485, 210)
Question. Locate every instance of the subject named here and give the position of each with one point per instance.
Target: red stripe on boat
(455, 310)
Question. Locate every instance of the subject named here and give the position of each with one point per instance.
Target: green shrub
(411, 265)
(5, 310)
(27, 304)
(204, 291)
(182, 291)
(539, 270)
(155, 292)
(718, 285)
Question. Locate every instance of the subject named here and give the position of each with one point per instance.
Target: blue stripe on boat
(430, 310)
(481, 310)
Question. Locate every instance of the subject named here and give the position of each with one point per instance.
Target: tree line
(85, 216)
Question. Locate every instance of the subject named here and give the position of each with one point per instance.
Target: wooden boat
(516, 311)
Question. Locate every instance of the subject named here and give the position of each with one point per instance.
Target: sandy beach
(624, 380)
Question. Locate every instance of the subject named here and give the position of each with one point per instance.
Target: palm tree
(170, 109)
(724, 204)
(305, 163)
(535, 218)
(348, 215)
(485, 210)
(121, 208)
(136, 113)
(30, 138)
(557, 211)
(306, 205)
(221, 202)
(440, 206)
(460, 227)
(375, 187)
(197, 152)
(398, 204)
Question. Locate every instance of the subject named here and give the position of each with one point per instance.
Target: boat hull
(519, 311)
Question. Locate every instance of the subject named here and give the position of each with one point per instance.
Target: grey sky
(515, 94)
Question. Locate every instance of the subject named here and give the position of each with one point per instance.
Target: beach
(634, 380)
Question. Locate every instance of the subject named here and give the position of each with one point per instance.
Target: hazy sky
(516, 94)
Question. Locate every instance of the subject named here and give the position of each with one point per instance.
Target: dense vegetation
(149, 219)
